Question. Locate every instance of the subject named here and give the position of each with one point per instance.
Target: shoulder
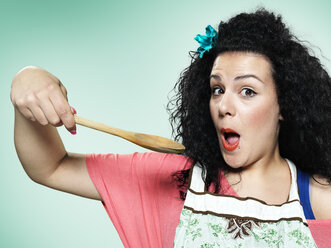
(321, 197)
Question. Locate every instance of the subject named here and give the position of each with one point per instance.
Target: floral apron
(212, 220)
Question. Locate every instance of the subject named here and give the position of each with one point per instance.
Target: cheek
(259, 117)
(262, 118)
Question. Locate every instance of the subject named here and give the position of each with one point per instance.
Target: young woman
(253, 110)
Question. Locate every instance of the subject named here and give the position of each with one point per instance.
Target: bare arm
(41, 105)
(39, 148)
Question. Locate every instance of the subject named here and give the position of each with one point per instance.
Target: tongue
(232, 139)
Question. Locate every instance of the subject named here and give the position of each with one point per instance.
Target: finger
(63, 110)
(64, 91)
(73, 110)
(58, 124)
(26, 113)
(20, 105)
(38, 114)
(48, 109)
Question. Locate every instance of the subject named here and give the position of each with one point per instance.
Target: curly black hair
(303, 90)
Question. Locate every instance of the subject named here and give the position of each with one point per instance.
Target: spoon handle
(100, 127)
(152, 142)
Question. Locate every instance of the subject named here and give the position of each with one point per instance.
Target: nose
(226, 105)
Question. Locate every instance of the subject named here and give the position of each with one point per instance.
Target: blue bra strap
(303, 185)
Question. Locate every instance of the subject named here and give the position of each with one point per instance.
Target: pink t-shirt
(142, 199)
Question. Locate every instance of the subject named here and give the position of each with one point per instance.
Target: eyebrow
(219, 78)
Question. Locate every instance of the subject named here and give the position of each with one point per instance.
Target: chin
(234, 161)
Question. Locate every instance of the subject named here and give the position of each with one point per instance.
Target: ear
(281, 117)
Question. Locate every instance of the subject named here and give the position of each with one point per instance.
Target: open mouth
(230, 139)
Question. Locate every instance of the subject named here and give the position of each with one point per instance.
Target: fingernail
(73, 132)
(74, 110)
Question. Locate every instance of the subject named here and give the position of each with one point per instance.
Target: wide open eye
(246, 92)
(216, 91)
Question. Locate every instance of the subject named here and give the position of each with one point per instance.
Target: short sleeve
(139, 194)
(321, 232)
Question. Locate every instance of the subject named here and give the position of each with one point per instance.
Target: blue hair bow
(207, 41)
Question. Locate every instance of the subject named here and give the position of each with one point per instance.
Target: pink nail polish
(73, 132)
(74, 110)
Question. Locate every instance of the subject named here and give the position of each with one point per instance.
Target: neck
(269, 165)
(267, 179)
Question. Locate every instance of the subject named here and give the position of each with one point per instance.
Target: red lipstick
(232, 143)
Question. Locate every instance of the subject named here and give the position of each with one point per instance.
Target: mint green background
(118, 61)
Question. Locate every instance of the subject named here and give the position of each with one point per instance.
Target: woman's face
(244, 100)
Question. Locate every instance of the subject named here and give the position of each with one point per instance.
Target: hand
(40, 96)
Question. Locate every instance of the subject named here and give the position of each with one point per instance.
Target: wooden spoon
(152, 142)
